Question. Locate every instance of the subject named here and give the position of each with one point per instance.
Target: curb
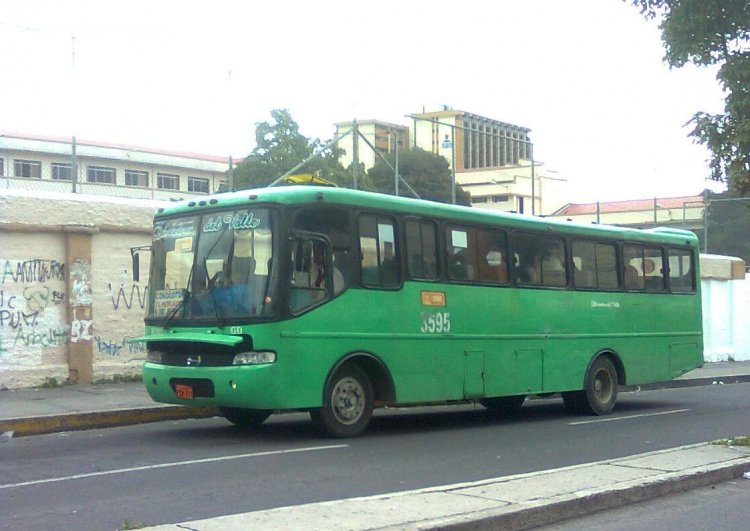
(689, 382)
(557, 511)
(22, 426)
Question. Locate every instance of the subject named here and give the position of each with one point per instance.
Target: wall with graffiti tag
(61, 301)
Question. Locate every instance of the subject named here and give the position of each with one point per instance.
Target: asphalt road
(178, 471)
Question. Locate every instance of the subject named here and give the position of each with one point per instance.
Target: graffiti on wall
(80, 280)
(116, 348)
(31, 308)
(36, 270)
(127, 295)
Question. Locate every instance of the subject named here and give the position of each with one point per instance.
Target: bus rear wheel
(245, 418)
(347, 403)
(600, 390)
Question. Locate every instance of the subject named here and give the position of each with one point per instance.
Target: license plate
(183, 391)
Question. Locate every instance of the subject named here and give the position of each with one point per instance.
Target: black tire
(504, 405)
(347, 403)
(599, 394)
(245, 418)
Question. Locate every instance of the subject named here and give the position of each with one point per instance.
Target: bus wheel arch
(382, 382)
(349, 395)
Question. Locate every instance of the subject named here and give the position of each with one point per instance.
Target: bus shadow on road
(296, 426)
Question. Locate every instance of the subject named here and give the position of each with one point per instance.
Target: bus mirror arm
(134, 254)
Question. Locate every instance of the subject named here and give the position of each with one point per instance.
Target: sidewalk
(72, 407)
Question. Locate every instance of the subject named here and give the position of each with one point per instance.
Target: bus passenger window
(681, 277)
(594, 265)
(421, 249)
(493, 266)
(379, 258)
(461, 246)
(540, 260)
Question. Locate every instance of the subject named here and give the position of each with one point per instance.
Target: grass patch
(119, 378)
(127, 524)
(742, 440)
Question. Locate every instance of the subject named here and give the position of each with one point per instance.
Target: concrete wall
(67, 300)
(726, 306)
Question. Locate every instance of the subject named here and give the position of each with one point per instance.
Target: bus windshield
(217, 266)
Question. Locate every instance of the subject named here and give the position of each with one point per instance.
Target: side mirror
(136, 260)
(136, 268)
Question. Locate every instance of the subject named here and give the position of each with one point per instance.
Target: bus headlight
(254, 357)
(154, 356)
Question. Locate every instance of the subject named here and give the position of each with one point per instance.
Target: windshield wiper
(183, 301)
(176, 309)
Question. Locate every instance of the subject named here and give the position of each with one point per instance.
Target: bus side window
(421, 249)
(540, 260)
(632, 259)
(378, 251)
(594, 265)
(461, 246)
(681, 275)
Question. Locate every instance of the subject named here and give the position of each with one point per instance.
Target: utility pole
(355, 153)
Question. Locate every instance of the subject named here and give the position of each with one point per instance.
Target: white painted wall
(726, 307)
(35, 329)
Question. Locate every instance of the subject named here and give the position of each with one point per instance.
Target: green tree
(714, 32)
(279, 147)
(728, 220)
(427, 173)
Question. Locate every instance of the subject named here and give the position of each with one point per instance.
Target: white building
(46, 163)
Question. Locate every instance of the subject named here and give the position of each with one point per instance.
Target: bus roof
(301, 195)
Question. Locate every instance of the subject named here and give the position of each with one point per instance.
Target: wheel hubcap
(348, 399)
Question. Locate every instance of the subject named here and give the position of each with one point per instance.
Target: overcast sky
(586, 76)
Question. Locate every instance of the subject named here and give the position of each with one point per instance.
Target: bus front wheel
(245, 418)
(600, 390)
(347, 403)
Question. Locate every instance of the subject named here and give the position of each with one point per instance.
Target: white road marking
(168, 465)
(612, 419)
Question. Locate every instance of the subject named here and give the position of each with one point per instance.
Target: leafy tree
(728, 219)
(427, 173)
(279, 147)
(714, 32)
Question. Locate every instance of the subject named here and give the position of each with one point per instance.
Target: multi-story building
(383, 136)
(493, 161)
(47, 163)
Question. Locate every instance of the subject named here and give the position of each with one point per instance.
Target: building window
(479, 199)
(27, 168)
(2, 167)
(61, 171)
(198, 185)
(167, 181)
(500, 198)
(100, 174)
(136, 178)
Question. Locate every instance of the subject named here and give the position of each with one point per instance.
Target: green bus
(337, 301)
